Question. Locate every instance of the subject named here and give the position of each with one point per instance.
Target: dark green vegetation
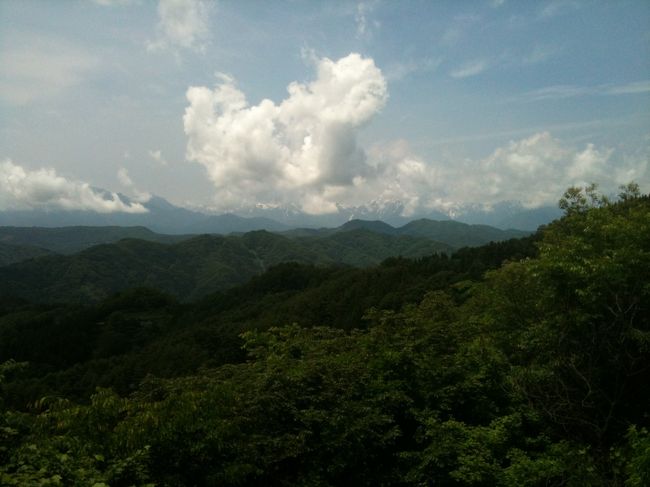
(10, 254)
(190, 267)
(68, 240)
(522, 363)
(194, 267)
(452, 233)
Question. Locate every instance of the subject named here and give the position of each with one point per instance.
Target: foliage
(193, 268)
(534, 376)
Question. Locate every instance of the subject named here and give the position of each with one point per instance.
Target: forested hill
(10, 254)
(520, 363)
(195, 267)
(68, 240)
(453, 233)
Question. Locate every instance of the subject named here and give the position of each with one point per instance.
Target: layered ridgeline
(68, 240)
(162, 216)
(71, 239)
(194, 266)
(453, 233)
(534, 373)
(11, 254)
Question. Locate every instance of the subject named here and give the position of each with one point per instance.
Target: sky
(228, 105)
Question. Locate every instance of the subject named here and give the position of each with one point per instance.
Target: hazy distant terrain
(195, 266)
(164, 217)
(111, 259)
(453, 233)
(21, 243)
(68, 240)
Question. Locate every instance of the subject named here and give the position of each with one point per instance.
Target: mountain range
(98, 261)
(163, 217)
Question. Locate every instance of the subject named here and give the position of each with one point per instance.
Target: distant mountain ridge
(118, 258)
(453, 233)
(36, 241)
(11, 254)
(68, 240)
(197, 266)
(164, 217)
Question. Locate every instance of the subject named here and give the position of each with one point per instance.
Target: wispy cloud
(559, 92)
(38, 68)
(365, 24)
(557, 7)
(525, 132)
(401, 70)
(541, 53)
(182, 24)
(471, 68)
(157, 156)
(112, 3)
(126, 181)
(459, 27)
(629, 88)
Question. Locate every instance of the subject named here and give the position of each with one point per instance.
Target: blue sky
(433, 104)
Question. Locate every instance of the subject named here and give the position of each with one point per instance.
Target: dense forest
(517, 363)
(88, 264)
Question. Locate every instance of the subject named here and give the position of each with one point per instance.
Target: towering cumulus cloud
(303, 150)
(21, 189)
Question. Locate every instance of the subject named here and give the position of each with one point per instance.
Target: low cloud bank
(44, 189)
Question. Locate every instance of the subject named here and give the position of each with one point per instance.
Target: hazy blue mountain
(164, 217)
(452, 233)
(375, 226)
(458, 234)
(509, 214)
(230, 223)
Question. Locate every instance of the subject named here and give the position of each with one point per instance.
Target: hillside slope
(194, 267)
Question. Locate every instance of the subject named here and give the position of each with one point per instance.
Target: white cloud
(559, 92)
(365, 25)
(471, 68)
(403, 69)
(157, 156)
(628, 89)
(38, 68)
(43, 189)
(182, 23)
(537, 169)
(302, 150)
(112, 3)
(557, 7)
(126, 181)
(540, 53)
